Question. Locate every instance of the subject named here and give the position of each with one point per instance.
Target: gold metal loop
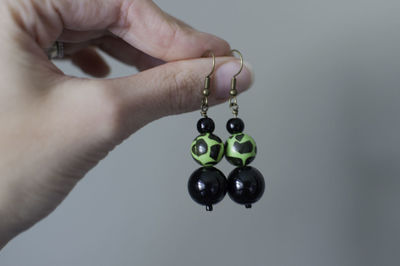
(241, 61)
(209, 52)
(233, 92)
(207, 84)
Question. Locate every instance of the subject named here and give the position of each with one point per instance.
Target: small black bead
(205, 125)
(245, 185)
(235, 125)
(207, 186)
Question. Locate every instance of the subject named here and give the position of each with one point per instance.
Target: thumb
(175, 88)
(128, 103)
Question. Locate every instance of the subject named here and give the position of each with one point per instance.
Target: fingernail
(224, 75)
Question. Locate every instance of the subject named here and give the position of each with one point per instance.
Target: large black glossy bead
(205, 125)
(207, 186)
(235, 125)
(245, 185)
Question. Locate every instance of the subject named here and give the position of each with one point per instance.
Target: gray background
(324, 111)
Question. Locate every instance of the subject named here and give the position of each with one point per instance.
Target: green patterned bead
(240, 149)
(207, 149)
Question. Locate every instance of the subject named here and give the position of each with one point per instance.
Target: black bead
(205, 125)
(207, 186)
(235, 125)
(245, 185)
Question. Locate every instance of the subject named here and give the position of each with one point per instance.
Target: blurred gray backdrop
(324, 110)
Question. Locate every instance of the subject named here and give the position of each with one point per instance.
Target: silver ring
(56, 51)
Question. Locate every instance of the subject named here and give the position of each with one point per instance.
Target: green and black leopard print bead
(207, 149)
(240, 149)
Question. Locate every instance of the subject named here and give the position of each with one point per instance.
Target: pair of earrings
(208, 185)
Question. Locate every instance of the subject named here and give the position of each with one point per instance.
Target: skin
(54, 128)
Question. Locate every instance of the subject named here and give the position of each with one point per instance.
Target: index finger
(141, 23)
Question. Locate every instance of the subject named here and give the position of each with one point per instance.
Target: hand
(55, 128)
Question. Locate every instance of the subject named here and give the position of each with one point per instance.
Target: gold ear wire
(207, 85)
(233, 92)
(213, 62)
(241, 61)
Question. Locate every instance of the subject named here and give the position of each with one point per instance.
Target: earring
(207, 185)
(245, 183)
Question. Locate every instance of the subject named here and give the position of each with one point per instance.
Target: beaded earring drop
(245, 183)
(207, 185)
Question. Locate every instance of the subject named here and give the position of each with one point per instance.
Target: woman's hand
(55, 128)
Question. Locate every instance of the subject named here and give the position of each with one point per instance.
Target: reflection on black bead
(200, 147)
(205, 125)
(235, 125)
(245, 185)
(207, 186)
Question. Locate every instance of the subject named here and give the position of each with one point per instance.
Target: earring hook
(207, 85)
(241, 61)
(233, 92)
(209, 52)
